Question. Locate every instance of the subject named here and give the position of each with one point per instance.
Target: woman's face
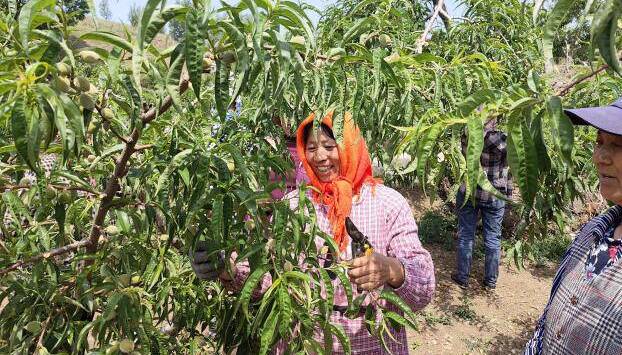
(608, 160)
(322, 154)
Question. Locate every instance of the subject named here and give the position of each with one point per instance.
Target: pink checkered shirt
(385, 217)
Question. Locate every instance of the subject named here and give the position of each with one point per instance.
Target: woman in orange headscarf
(340, 175)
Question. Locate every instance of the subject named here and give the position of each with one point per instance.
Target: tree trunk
(444, 14)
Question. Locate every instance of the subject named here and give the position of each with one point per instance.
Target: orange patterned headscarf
(354, 171)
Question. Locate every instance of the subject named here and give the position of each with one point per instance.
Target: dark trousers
(492, 216)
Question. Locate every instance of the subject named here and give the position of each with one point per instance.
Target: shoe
(463, 284)
(488, 286)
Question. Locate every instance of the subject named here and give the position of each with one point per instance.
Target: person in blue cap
(584, 311)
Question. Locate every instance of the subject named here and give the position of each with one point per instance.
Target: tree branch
(44, 326)
(48, 254)
(167, 102)
(566, 89)
(422, 40)
(56, 186)
(120, 169)
(444, 15)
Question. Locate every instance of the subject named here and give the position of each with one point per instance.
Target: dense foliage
(151, 158)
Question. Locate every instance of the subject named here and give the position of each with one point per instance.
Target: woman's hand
(376, 270)
(209, 268)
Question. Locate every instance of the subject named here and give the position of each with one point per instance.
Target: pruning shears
(360, 243)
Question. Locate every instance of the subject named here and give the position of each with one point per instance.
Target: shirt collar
(606, 221)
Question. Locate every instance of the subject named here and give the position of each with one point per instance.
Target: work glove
(207, 265)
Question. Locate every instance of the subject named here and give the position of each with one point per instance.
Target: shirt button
(559, 334)
(573, 300)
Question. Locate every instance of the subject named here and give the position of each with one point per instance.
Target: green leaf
(75, 120)
(475, 133)
(544, 162)
(267, 333)
(297, 15)
(249, 286)
(401, 320)
(345, 282)
(604, 28)
(551, 29)
(221, 88)
(338, 331)
(194, 51)
(243, 58)
(30, 9)
(217, 218)
(393, 298)
(59, 40)
(19, 130)
(160, 18)
(522, 158)
(475, 100)
(175, 163)
(285, 306)
(174, 73)
(141, 34)
(16, 206)
(358, 28)
(330, 291)
(562, 129)
(109, 38)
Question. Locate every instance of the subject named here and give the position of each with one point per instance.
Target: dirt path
(476, 321)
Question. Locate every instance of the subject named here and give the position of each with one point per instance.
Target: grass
(464, 310)
(438, 228)
(550, 249)
(432, 320)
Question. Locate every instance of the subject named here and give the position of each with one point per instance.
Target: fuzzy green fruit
(126, 346)
(50, 192)
(107, 113)
(63, 84)
(385, 40)
(89, 57)
(363, 38)
(300, 40)
(113, 349)
(394, 57)
(82, 83)
(125, 280)
(67, 197)
(112, 230)
(33, 327)
(228, 58)
(288, 266)
(249, 225)
(25, 181)
(87, 101)
(207, 63)
(63, 69)
(269, 247)
(92, 126)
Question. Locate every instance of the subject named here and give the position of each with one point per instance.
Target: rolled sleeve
(419, 281)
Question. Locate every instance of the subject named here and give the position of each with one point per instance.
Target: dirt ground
(476, 321)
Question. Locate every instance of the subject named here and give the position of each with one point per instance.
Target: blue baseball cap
(606, 118)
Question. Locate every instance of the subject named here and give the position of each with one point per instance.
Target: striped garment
(47, 163)
(583, 314)
(385, 217)
(495, 164)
